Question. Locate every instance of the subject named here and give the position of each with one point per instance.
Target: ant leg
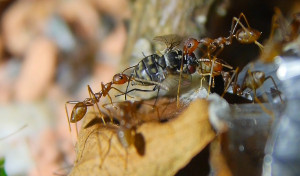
(108, 111)
(122, 93)
(108, 150)
(151, 82)
(219, 51)
(270, 113)
(255, 97)
(230, 81)
(236, 21)
(154, 107)
(261, 47)
(179, 82)
(141, 90)
(244, 17)
(68, 117)
(92, 95)
(128, 68)
(127, 86)
(67, 113)
(201, 80)
(109, 97)
(156, 95)
(274, 85)
(211, 75)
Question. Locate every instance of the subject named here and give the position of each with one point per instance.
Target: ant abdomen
(128, 136)
(78, 112)
(247, 36)
(125, 136)
(255, 80)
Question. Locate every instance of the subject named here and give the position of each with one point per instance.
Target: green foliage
(2, 170)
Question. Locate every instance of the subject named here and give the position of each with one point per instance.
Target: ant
(130, 115)
(252, 80)
(244, 35)
(80, 108)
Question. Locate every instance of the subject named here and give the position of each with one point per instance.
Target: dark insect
(153, 70)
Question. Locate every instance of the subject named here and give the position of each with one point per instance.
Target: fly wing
(170, 40)
(172, 81)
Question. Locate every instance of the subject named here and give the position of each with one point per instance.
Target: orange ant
(244, 35)
(252, 80)
(80, 108)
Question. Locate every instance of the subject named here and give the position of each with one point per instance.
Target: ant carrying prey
(213, 47)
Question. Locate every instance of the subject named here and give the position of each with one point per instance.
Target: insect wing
(171, 40)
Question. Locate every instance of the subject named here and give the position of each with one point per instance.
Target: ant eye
(190, 45)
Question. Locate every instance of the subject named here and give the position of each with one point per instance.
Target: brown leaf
(168, 146)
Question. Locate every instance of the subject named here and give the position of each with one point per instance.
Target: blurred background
(50, 50)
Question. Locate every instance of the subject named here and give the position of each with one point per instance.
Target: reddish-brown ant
(252, 80)
(80, 108)
(244, 35)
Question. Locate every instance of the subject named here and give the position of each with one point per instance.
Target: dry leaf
(168, 146)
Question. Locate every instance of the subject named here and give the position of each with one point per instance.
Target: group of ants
(209, 65)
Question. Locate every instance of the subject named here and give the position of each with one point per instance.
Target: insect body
(153, 70)
(155, 67)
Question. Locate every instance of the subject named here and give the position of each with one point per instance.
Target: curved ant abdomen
(78, 112)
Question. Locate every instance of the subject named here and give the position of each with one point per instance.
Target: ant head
(120, 78)
(190, 45)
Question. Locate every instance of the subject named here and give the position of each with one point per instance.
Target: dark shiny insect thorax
(173, 60)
